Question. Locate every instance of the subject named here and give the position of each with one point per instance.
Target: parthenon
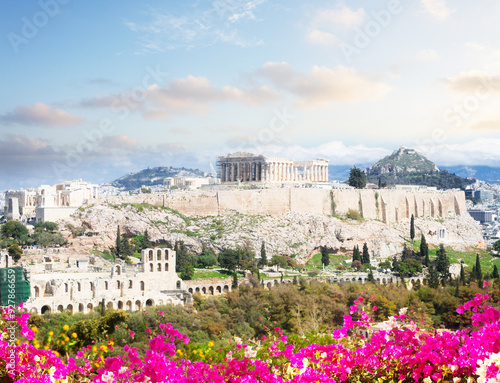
(248, 167)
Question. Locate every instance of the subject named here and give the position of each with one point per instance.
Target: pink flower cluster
(401, 353)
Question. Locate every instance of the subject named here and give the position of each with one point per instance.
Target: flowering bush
(397, 353)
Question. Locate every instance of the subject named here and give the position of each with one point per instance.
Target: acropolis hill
(291, 221)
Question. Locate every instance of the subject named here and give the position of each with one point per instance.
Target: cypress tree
(433, 277)
(366, 255)
(479, 273)
(457, 288)
(325, 259)
(370, 276)
(146, 242)
(412, 227)
(263, 255)
(462, 274)
(495, 275)
(118, 246)
(235, 281)
(356, 256)
(443, 264)
(424, 250)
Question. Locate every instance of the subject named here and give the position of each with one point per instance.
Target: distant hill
(152, 177)
(407, 167)
(482, 173)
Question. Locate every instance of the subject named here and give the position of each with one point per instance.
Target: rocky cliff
(296, 234)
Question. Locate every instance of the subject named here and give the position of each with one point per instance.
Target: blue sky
(95, 90)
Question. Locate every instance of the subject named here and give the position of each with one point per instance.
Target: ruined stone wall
(386, 205)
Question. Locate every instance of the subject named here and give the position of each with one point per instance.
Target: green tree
(462, 273)
(443, 264)
(263, 255)
(182, 256)
(357, 178)
(187, 273)
(15, 252)
(146, 242)
(495, 275)
(496, 246)
(125, 248)
(118, 243)
(15, 230)
(356, 256)
(424, 250)
(433, 277)
(235, 281)
(371, 277)
(479, 273)
(229, 259)
(207, 258)
(325, 259)
(365, 258)
(412, 228)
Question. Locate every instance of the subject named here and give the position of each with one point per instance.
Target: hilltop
(406, 166)
(153, 176)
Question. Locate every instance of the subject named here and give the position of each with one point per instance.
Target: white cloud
(474, 46)
(427, 55)
(322, 38)
(342, 16)
(324, 86)
(474, 81)
(481, 151)
(40, 114)
(437, 9)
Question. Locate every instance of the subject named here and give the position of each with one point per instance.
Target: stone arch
(91, 284)
(166, 255)
(79, 286)
(138, 305)
(383, 281)
(129, 305)
(120, 305)
(130, 284)
(150, 302)
(219, 290)
(90, 307)
(45, 309)
(190, 290)
(158, 255)
(360, 280)
(66, 288)
(204, 290)
(416, 207)
(353, 279)
(159, 267)
(169, 300)
(211, 290)
(60, 308)
(118, 284)
(151, 268)
(160, 302)
(197, 290)
(166, 266)
(70, 308)
(80, 307)
(142, 285)
(109, 305)
(378, 280)
(34, 310)
(269, 285)
(37, 292)
(178, 284)
(150, 255)
(106, 285)
(226, 288)
(118, 270)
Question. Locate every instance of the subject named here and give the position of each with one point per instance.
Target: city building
(481, 215)
(248, 167)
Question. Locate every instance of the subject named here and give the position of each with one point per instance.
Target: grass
(205, 274)
(468, 257)
(335, 260)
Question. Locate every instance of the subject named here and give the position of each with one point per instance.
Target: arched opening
(149, 302)
(166, 255)
(151, 267)
(190, 290)
(158, 255)
(166, 266)
(269, 285)
(204, 290)
(416, 207)
(457, 206)
(432, 208)
(60, 308)
(90, 307)
(150, 255)
(407, 212)
(45, 309)
(211, 290)
(80, 307)
(178, 284)
(37, 292)
(142, 286)
(91, 286)
(197, 290)
(65, 287)
(219, 290)
(109, 305)
(120, 305)
(440, 208)
(138, 305)
(70, 308)
(159, 266)
(79, 286)
(118, 270)
(130, 284)
(129, 305)
(118, 284)
(106, 285)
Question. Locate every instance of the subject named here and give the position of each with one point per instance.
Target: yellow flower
(74, 335)
(35, 329)
(94, 349)
(210, 344)
(195, 351)
(63, 342)
(179, 351)
(65, 327)
(66, 339)
(51, 333)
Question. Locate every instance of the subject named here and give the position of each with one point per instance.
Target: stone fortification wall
(386, 205)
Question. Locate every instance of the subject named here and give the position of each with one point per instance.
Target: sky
(95, 90)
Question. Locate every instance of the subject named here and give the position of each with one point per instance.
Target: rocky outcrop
(296, 234)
